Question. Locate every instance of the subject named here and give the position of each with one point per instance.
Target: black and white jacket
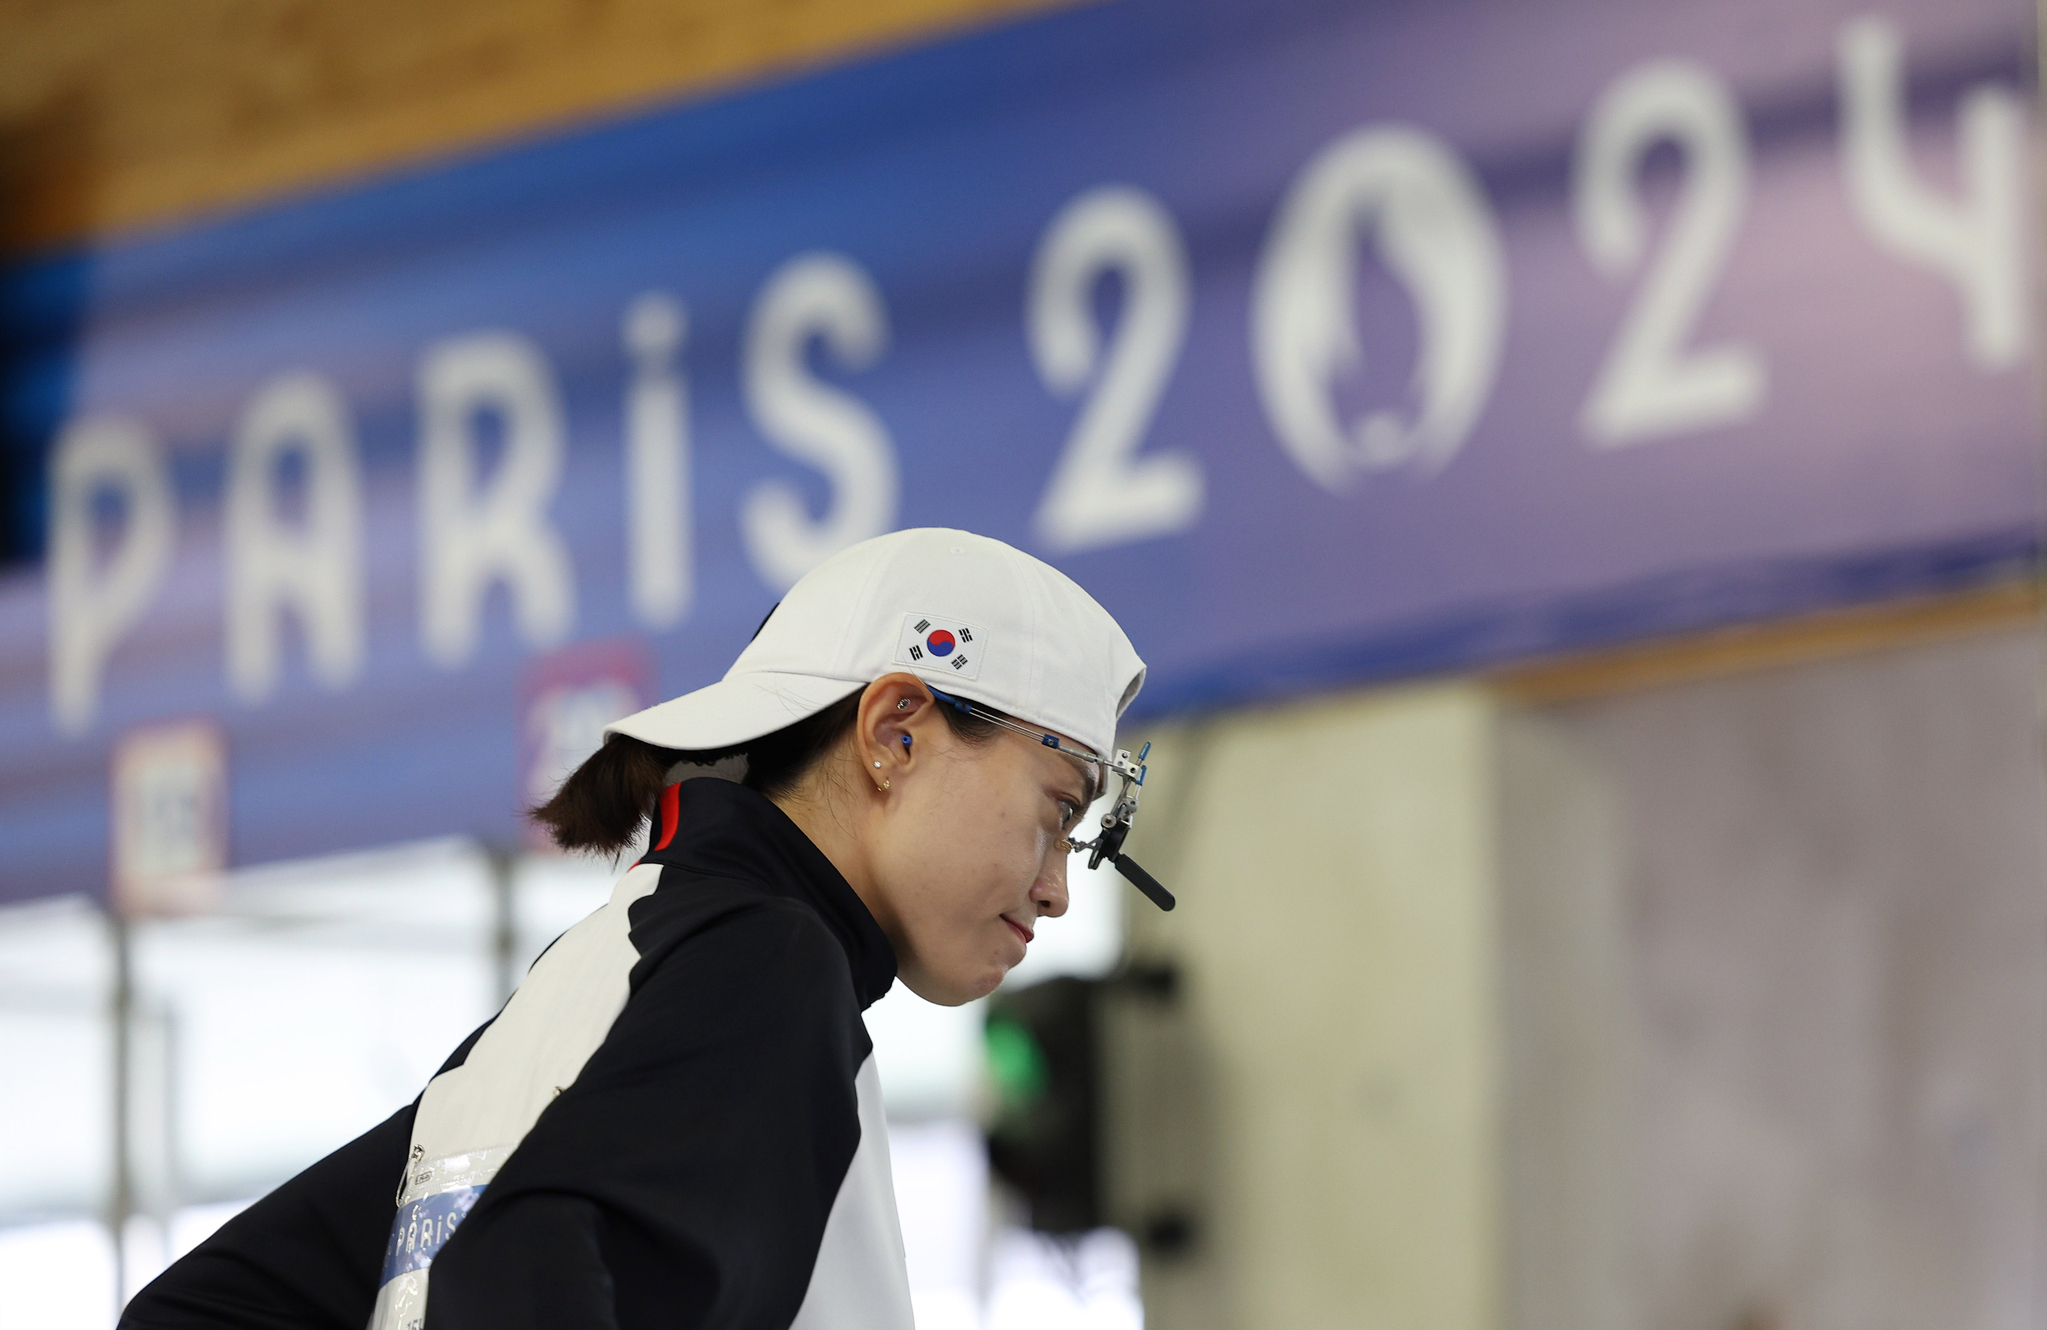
(675, 1121)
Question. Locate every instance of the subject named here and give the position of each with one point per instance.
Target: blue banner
(1323, 343)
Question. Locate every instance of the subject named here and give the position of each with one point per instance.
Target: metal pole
(505, 934)
(121, 1202)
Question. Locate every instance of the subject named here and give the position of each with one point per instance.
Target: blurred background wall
(1709, 1003)
(1669, 958)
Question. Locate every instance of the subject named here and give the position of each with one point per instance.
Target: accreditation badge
(437, 1195)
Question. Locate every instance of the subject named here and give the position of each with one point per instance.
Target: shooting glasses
(1108, 842)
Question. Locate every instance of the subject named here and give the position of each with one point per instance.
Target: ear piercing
(903, 705)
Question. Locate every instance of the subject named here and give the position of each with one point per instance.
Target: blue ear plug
(906, 742)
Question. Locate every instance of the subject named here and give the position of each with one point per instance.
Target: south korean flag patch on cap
(940, 646)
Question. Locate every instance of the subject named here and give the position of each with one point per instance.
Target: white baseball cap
(974, 617)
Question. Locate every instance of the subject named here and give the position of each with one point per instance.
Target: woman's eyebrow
(1087, 780)
(1091, 783)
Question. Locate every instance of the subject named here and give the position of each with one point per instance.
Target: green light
(1015, 1063)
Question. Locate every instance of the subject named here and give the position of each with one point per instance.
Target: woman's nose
(1049, 891)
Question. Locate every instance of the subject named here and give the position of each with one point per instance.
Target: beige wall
(1337, 938)
(124, 113)
(1567, 1032)
(1830, 900)
(1715, 1005)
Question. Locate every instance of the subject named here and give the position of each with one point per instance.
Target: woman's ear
(896, 712)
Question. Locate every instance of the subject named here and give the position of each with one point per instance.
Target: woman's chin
(957, 991)
(982, 985)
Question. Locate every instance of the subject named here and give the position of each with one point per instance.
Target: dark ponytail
(601, 807)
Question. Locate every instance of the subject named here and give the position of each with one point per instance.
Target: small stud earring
(903, 705)
(885, 785)
(877, 766)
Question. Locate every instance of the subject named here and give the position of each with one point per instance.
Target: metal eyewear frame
(1108, 842)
